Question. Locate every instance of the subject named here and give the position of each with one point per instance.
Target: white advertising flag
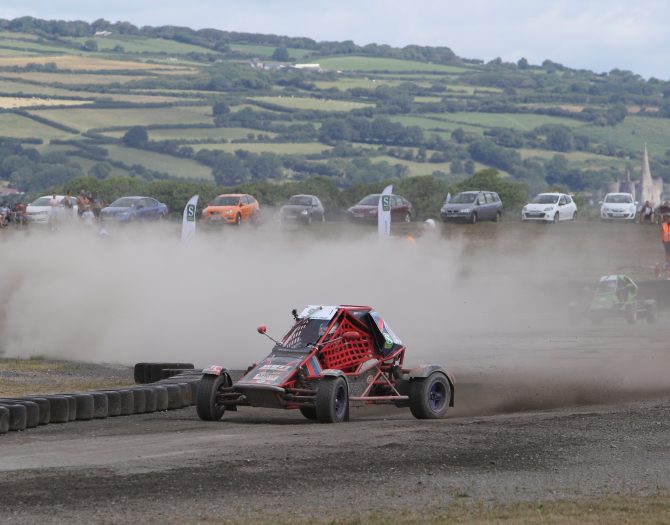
(384, 213)
(188, 222)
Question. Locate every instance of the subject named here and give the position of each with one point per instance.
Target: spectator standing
(97, 205)
(19, 212)
(647, 212)
(53, 213)
(663, 210)
(67, 205)
(4, 214)
(665, 237)
(82, 202)
(88, 217)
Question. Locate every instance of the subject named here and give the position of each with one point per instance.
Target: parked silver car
(473, 206)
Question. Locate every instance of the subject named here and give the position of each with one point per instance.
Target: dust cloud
(488, 302)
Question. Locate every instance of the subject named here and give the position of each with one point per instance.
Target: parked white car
(550, 207)
(38, 211)
(618, 207)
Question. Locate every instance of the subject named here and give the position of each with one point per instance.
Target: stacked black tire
(168, 392)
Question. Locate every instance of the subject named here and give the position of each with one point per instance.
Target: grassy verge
(19, 377)
(613, 509)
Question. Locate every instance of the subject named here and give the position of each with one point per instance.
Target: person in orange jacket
(665, 236)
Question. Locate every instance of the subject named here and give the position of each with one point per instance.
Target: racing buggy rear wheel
(631, 314)
(429, 397)
(652, 314)
(332, 401)
(205, 404)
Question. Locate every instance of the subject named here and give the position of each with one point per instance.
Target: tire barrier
(4, 420)
(113, 403)
(152, 372)
(72, 408)
(174, 396)
(85, 406)
(17, 416)
(194, 389)
(45, 408)
(139, 401)
(173, 386)
(100, 405)
(59, 408)
(151, 399)
(161, 398)
(32, 410)
(127, 402)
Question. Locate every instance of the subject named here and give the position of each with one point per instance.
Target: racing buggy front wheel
(205, 404)
(308, 412)
(429, 397)
(332, 401)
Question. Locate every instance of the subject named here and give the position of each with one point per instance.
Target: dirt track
(268, 465)
(544, 409)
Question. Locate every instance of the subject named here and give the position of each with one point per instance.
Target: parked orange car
(232, 208)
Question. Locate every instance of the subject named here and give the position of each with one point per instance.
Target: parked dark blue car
(130, 209)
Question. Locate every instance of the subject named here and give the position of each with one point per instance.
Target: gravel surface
(260, 464)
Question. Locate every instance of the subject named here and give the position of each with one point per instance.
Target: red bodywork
(325, 343)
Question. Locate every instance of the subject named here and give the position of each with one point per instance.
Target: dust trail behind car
(489, 301)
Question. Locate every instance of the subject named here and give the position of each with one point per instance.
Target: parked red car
(366, 209)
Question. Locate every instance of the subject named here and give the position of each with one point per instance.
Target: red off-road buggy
(332, 357)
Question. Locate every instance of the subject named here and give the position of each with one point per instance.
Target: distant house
(268, 66)
(103, 33)
(5, 192)
(308, 67)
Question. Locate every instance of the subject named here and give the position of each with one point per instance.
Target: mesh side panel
(347, 355)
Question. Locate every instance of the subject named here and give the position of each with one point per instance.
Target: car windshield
(619, 199)
(370, 200)
(545, 198)
(606, 287)
(300, 200)
(124, 202)
(464, 198)
(305, 332)
(42, 201)
(225, 200)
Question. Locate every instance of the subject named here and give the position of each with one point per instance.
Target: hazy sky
(593, 34)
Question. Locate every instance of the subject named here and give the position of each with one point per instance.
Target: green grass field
(581, 158)
(142, 45)
(518, 121)
(70, 78)
(85, 119)
(280, 148)
(267, 51)
(633, 133)
(8, 87)
(415, 168)
(183, 168)
(361, 63)
(436, 125)
(24, 45)
(12, 125)
(312, 103)
(214, 134)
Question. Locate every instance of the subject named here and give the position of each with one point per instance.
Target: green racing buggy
(617, 296)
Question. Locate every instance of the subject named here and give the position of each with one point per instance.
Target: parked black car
(305, 208)
(473, 206)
